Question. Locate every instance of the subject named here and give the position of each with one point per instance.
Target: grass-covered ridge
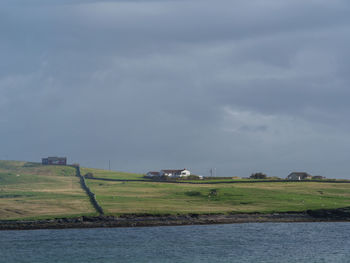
(31, 190)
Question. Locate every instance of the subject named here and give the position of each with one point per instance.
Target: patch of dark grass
(193, 193)
(11, 196)
(29, 164)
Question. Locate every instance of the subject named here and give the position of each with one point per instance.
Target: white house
(175, 173)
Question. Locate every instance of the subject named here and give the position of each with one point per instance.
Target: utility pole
(109, 164)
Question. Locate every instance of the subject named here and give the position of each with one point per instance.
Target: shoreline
(322, 215)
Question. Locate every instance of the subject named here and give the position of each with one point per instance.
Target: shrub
(258, 176)
(274, 178)
(89, 175)
(167, 178)
(190, 177)
(213, 192)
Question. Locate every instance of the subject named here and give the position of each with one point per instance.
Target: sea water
(260, 242)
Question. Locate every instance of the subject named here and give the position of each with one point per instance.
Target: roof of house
(153, 173)
(299, 174)
(55, 158)
(173, 171)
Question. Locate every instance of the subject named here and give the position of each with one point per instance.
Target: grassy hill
(99, 173)
(163, 198)
(30, 190)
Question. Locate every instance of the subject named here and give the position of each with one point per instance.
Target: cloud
(240, 86)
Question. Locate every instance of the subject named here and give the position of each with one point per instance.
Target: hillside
(100, 173)
(163, 198)
(30, 190)
(266, 197)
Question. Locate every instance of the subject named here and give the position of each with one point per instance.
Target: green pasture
(99, 173)
(31, 190)
(164, 198)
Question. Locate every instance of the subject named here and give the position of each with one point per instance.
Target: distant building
(297, 176)
(153, 174)
(175, 173)
(54, 161)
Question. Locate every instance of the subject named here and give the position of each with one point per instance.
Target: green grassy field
(162, 198)
(30, 190)
(99, 173)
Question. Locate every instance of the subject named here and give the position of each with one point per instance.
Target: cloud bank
(236, 85)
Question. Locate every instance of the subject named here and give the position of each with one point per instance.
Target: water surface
(260, 242)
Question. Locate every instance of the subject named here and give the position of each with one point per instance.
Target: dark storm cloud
(237, 85)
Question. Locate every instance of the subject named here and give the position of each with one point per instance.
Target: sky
(240, 86)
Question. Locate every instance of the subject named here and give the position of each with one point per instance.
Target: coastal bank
(147, 220)
(36, 196)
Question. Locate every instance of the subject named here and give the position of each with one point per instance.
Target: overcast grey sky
(242, 86)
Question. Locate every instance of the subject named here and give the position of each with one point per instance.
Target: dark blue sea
(261, 242)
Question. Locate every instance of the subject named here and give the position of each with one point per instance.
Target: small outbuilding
(297, 176)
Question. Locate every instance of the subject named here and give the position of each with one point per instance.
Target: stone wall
(91, 195)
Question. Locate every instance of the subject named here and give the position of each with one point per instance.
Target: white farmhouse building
(175, 173)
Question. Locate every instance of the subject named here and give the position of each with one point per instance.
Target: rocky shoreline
(335, 215)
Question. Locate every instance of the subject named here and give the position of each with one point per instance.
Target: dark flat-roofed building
(299, 176)
(54, 161)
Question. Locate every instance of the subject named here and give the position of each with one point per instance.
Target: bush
(213, 192)
(218, 177)
(318, 177)
(193, 177)
(167, 178)
(190, 177)
(258, 176)
(274, 178)
(89, 175)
